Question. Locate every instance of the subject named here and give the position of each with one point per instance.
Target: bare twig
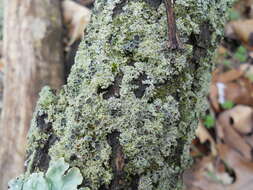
(173, 40)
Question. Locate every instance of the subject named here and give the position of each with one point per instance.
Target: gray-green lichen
(58, 177)
(126, 80)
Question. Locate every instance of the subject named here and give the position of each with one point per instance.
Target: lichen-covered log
(32, 56)
(129, 111)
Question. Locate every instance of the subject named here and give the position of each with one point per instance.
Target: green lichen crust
(129, 92)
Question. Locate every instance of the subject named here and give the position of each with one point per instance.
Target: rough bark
(33, 58)
(129, 111)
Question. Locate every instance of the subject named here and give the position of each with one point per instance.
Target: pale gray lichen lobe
(126, 80)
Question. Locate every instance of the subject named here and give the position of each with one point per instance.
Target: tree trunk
(33, 57)
(128, 114)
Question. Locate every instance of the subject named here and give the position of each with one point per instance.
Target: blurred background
(222, 150)
(38, 43)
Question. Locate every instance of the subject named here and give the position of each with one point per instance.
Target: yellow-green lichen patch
(125, 80)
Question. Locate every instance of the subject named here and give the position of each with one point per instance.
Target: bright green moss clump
(126, 81)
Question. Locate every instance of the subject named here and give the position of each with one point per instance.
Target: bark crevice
(117, 162)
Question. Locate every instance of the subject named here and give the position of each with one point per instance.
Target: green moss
(157, 125)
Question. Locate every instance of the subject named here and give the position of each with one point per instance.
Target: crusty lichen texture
(127, 81)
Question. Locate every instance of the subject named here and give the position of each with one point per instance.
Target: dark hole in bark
(192, 39)
(117, 162)
(119, 8)
(135, 182)
(70, 59)
(175, 157)
(41, 124)
(110, 39)
(103, 187)
(131, 46)
(116, 112)
(203, 39)
(73, 157)
(113, 90)
(200, 44)
(154, 3)
(140, 90)
(42, 159)
(205, 35)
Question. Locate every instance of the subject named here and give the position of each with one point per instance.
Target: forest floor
(222, 151)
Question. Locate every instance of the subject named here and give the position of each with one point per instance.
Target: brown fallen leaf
(204, 175)
(76, 17)
(231, 85)
(243, 30)
(221, 50)
(210, 173)
(243, 168)
(197, 149)
(244, 7)
(240, 91)
(247, 69)
(241, 118)
(228, 76)
(234, 85)
(231, 136)
(232, 168)
(204, 136)
(249, 139)
(213, 98)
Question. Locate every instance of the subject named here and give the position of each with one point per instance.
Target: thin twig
(173, 40)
